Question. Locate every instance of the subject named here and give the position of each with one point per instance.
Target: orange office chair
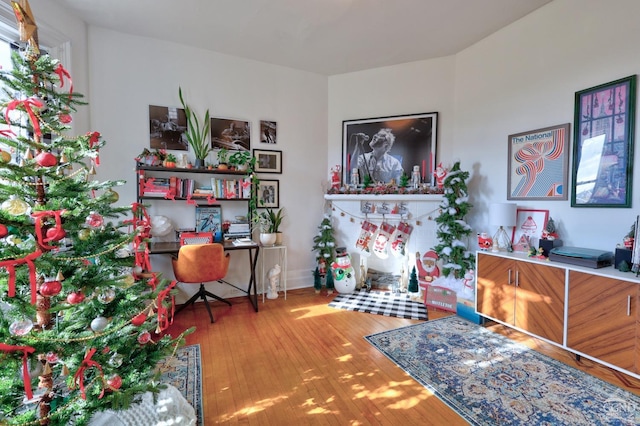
(200, 263)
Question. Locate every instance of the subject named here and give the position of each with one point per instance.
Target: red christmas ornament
(139, 319)
(4, 231)
(50, 288)
(144, 338)
(114, 382)
(55, 234)
(65, 118)
(46, 159)
(75, 298)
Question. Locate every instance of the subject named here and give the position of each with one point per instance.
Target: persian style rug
(381, 303)
(488, 379)
(184, 371)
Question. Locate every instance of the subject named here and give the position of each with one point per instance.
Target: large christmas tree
(453, 231)
(80, 321)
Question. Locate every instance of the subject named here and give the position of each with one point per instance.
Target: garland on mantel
(382, 217)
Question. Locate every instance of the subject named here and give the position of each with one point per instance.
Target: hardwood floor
(297, 361)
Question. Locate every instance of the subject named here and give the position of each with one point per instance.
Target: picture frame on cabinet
(528, 229)
(269, 193)
(230, 134)
(208, 219)
(539, 164)
(268, 161)
(604, 128)
(167, 128)
(413, 143)
(268, 132)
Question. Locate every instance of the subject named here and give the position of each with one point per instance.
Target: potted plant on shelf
(267, 234)
(276, 216)
(196, 135)
(170, 161)
(223, 159)
(241, 160)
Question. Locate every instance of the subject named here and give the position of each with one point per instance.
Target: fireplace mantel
(383, 197)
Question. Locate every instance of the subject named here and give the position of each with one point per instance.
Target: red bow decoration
(62, 73)
(211, 199)
(191, 201)
(42, 239)
(165, 316)
(87, 362)
(26, 350)
(94, 138)
(10, 266)
(26, 104)
(7, 133)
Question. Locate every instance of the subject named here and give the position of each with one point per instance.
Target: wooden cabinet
(526, 295)
(603, 319)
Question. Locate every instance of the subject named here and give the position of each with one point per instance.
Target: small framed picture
(268, 131)
(268, 161)
(269, 193)
(208, 219)
(528, 229)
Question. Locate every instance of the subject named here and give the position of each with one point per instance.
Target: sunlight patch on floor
(314, 311)
(254, 408)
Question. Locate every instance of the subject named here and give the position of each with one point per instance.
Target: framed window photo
(230, 134)
(385, 148)
(268, 161)
(268, 132)
(604, 126)
(539, 164)
(269, 193)
(167, 127)
(208, 219)
(528, 229)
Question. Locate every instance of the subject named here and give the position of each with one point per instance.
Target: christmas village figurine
(335, 177)
(440, 173)
(485, 242)
(549, 231)
(344, 278)
(549, 238)
(628, 239)
(427, 268)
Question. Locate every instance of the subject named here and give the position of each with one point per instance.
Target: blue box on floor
(469, 313)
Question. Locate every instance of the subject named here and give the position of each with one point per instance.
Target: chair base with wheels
(200, 263)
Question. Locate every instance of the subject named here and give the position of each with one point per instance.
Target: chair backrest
(197, 263)
(195, 238)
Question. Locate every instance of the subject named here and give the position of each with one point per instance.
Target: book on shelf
(243, 242)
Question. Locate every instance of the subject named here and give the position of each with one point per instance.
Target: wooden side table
(281, 259)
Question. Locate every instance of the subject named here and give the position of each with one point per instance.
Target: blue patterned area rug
(381, 303)
(489, 379)
(184, 371)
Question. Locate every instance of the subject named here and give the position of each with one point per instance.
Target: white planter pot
(267, 239)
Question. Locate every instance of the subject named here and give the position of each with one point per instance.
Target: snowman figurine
(344, 277)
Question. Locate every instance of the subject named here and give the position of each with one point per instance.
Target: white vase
(267, 239)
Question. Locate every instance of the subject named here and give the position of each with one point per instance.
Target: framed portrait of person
(269, 193)
(385, 148)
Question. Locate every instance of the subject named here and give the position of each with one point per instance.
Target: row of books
(183, 188)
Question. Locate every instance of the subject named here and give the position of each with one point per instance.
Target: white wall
(521, 78)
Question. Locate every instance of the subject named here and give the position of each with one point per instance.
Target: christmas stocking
(382, 239)
(399, 239)
(364, 239)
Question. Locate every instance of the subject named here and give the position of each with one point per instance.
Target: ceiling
(322, 36)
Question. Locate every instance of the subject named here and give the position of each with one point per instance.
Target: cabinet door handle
(628, 305)
(517, 278)
(509, 277)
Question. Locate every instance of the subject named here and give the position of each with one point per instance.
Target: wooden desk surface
(173, 247)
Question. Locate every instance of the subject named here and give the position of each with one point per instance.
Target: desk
(282, 261)
(254, 249)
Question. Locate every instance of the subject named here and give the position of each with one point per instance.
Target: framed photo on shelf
(539, 164)
(269, 193)
(230, 134)
(385, 148)
(268, 132)
(268, 161)
(208, 219)
(604, 127)
(167, 127)
(528, 229)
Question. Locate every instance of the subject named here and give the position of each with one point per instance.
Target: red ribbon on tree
(43, 240)
(165, 316)
(87, 362)
(94, 138)
(62, 73)
(26, 350)
(26, 104)
(10, 266)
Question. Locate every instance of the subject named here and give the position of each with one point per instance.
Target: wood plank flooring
(297, 361)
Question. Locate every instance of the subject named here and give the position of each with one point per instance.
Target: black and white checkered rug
(381, 303)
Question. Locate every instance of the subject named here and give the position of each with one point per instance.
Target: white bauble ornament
(20, 328)
(99, 323)
(15, 206)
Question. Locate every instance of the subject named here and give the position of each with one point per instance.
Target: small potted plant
(223, 159)
(276, 216)
(196, 135)
(170, 161)
(267, 234)
(240, 160)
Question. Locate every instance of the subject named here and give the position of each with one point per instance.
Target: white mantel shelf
(384, 197)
